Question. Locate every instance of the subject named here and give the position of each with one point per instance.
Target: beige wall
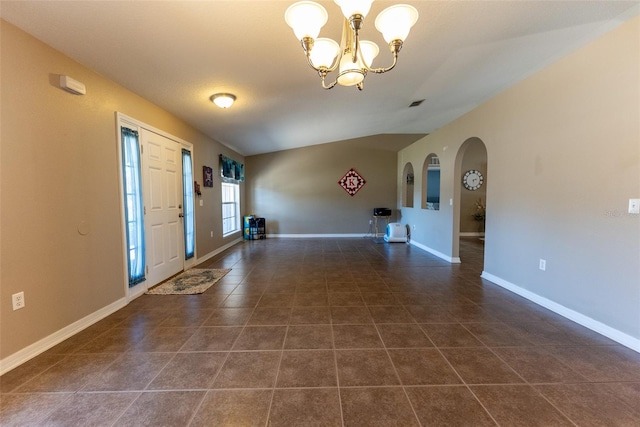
(59, 172)
(297, 190)
(563, 161)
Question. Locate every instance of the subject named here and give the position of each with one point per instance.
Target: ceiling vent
(416, 103)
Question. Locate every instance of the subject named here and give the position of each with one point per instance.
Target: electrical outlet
(212, 234)
(543, 264)
(18, 300)
(634, 206)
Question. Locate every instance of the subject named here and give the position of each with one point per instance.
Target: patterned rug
(194, 281)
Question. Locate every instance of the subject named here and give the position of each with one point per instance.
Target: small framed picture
(207, 176)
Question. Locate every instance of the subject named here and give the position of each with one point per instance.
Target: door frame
(123, 120)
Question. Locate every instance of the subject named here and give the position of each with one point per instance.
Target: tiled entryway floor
(327, 333)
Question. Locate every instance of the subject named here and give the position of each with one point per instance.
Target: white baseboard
(452, 260)
(596, 326)
(312, 236)
(217, 251)
(31, 351)
(138, 292)
(471, 234)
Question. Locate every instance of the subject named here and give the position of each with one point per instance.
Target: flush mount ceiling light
(223, 100)
(353, 57)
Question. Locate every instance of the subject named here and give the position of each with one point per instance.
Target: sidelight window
(133, 206)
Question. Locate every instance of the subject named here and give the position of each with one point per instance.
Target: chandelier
(353, 57)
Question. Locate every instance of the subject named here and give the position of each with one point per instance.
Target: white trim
(33, 350)
(312, 236)
(124, 120)
(130, 120)
(219, 250)
(452, 260)
(596, 326)
(137, 291)
(471, 234)
(235, 186)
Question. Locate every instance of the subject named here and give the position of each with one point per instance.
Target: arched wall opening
(470, 192)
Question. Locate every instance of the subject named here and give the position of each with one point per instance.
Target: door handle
(180, 215)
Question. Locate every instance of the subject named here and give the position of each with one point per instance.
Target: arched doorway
(470, 194)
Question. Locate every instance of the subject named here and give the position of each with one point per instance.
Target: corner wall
(563, 151)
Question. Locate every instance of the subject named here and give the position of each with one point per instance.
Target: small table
(375, 223)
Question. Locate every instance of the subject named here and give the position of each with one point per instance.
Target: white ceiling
(178, 53)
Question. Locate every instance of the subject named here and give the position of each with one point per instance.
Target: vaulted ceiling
(178, 53)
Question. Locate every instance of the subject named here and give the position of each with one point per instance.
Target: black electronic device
(381, 212)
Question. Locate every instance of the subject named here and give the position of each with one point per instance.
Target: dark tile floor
(331, 332)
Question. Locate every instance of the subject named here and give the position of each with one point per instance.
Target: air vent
(416, 103)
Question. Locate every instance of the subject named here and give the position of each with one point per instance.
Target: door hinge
(146, 269)
(145, 210)
(141, 149)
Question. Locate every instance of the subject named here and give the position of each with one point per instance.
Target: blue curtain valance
(231, 169)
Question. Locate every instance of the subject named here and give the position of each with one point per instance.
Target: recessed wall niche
(431, 183)
(408, 182)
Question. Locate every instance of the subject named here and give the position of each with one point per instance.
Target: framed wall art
(207, 176)
(352, 182)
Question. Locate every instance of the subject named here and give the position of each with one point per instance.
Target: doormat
(194, 281)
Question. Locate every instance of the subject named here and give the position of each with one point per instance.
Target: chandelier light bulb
(351, 73)
(324, 53)
(395, 22)
(354, 7)
(306, 18)
(369, 51)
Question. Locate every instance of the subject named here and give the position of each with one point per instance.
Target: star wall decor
(352, 182)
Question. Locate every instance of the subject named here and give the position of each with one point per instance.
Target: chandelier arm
(324, 86)
(323, 74)
(394, 47)
(385, 69)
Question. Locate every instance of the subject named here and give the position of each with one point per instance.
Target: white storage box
(396, 232)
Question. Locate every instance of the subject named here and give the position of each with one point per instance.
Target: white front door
(164, 230)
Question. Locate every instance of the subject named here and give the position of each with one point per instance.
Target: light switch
(201, 202)
(634, 206)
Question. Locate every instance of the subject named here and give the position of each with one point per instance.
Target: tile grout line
(124, 411)
(197, 409)
(275, 380)
(395, 370)
(465, 383)
(335, 362)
